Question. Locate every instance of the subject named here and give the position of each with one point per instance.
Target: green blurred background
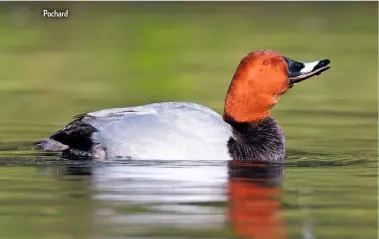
(121, 54)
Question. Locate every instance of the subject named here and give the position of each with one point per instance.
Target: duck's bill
(298, 71)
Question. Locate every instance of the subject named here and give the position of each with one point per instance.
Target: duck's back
(168, 130)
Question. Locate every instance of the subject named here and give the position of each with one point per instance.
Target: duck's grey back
(168, 130)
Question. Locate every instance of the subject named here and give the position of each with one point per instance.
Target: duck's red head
(261, 77)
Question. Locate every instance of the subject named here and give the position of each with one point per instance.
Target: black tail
(73, 140)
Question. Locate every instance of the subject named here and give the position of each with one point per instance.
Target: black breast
(259, 141)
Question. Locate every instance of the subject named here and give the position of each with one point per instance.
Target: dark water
(116, 55)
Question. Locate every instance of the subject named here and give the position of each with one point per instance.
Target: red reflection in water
(254, 210)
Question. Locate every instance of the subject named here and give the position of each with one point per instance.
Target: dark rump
(74, 139)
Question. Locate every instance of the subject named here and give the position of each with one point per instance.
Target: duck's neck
(262, 140)
(245, 103)
(256, 136)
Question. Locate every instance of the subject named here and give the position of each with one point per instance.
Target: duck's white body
(168, 130)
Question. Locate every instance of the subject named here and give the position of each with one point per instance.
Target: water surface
(134, 53)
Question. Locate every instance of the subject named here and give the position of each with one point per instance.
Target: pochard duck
(190, 131)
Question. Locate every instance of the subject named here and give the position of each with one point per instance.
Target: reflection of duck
(254, 212)
(188, 131)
